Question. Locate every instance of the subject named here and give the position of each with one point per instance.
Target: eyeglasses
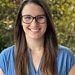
(39, 19)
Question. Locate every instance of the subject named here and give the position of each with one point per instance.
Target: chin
(36, 37)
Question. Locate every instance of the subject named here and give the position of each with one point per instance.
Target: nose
(34, 23)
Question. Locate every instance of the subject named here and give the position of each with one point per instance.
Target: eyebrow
(31, 15)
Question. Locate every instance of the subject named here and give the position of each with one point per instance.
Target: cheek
(45, 27)
(24, 25)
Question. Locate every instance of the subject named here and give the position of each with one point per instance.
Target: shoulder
(65, 53)
(8, 51)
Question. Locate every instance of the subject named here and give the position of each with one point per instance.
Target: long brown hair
(50, 43)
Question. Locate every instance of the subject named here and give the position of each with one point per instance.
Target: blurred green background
(63, 12)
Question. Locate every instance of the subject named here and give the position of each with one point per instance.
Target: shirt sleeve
(65, 60)
(7, 61)
(2, 61)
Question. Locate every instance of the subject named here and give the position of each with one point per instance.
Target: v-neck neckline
(31, 60)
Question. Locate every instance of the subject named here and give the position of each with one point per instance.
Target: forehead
(32, 9)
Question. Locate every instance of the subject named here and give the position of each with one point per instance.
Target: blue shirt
(65, 61)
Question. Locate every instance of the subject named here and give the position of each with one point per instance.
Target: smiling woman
(36, 51)
(33, 22)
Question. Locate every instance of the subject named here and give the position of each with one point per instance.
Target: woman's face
(33, 21)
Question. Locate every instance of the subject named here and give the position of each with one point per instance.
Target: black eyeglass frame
(36, 19)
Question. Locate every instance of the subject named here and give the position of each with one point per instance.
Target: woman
(36, 51)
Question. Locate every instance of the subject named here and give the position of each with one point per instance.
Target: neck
(35, 45)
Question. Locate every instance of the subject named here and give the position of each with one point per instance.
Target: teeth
(35, 30)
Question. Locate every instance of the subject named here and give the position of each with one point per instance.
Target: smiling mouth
(34, 30)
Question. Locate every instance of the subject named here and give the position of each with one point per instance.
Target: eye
(27, 17)
(40, 17)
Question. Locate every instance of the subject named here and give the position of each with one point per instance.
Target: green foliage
(63, 12)
(64, 18)
(7, 17)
